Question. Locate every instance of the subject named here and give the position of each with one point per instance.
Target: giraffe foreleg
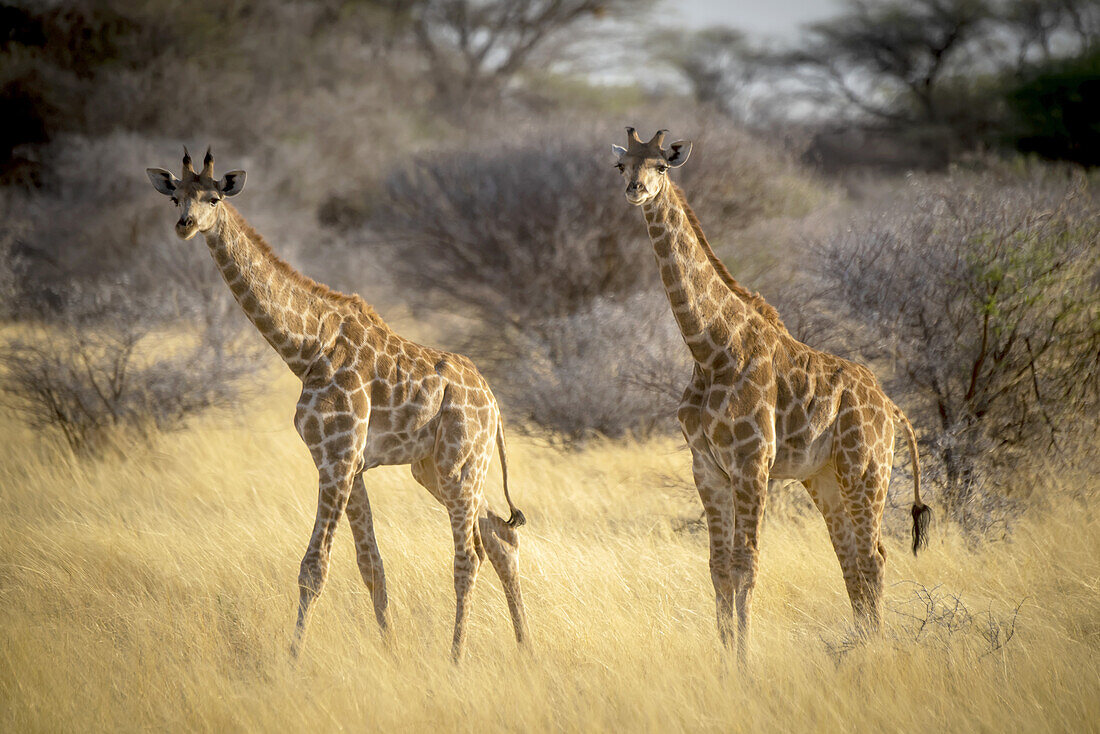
(714, 492)
(750, 485)
(335, 488)
(366, 550)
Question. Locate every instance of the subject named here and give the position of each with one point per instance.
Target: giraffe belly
(394, 439)
(801, 457)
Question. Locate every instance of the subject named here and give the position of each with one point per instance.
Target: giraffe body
(369, 397)
(763, 406)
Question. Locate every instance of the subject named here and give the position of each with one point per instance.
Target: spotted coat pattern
(763, 406)
(370, 398)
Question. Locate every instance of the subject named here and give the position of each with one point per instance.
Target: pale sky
(779, 19)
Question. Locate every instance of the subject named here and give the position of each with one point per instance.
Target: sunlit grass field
(156, 590)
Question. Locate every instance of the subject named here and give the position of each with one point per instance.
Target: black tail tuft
(516, 519)
(922, 516)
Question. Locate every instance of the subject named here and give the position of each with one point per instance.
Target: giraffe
(763, 406)
(369, 398)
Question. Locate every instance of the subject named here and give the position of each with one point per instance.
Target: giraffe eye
(620, 166)
(662, 169)
(214, 202)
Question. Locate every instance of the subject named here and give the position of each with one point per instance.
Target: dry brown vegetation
(156, 591)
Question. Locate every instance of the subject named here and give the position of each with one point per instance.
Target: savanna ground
(155, 589)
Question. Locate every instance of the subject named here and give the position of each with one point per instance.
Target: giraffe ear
(162, 180)
(232, 183)
(618, 150)
(678, 153)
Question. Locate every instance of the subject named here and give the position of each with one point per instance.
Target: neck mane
(298, 316)
(752, 298)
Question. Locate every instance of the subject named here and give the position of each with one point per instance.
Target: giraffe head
(645, 165)
(196, 195)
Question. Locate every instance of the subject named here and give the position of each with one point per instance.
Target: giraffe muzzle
(185, 227)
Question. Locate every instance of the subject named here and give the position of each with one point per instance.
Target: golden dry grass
(156, 590)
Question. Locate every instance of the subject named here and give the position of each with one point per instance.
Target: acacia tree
(887, 59)
(1045, 30)
(476, 46)
(938, 75)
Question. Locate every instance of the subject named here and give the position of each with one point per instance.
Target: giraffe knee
(311, 575)
(877, 561)
(721, 570)
(720, 576)
(744, 569)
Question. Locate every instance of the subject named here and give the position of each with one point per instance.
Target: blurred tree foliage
(95, 66)
(47, 53)
(718, 64)
(475, 47)
(949, 76)
(904, 48)
(1055, 110)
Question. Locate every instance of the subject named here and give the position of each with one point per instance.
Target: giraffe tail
(515, 518)
(922, 513)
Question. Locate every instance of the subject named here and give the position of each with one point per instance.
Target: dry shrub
(93, 270)
(983, 290)
(535, 224)
(102, 366)
(613, 367)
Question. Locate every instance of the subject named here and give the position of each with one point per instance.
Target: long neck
(296, 316)
(703, 304)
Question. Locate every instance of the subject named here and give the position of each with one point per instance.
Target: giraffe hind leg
(824, 489)
(463, 514)
(865, 498)
(460, 492)
(501, 542)
(494, 539)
